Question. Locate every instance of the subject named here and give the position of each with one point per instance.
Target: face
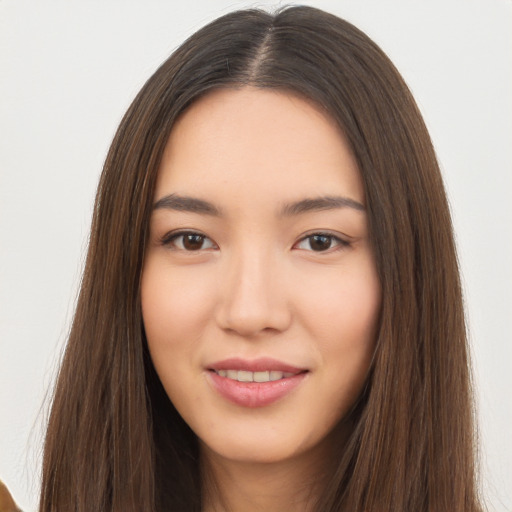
(259, 291)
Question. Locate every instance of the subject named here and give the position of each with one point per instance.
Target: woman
(270, 315)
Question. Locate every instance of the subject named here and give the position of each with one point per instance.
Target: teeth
(275, 375)
(261, 377)
(245, 376)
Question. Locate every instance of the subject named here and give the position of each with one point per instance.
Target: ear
(6, 502)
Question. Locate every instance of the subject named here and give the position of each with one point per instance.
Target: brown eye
(193, 242)
(188, 241)
(321, 242)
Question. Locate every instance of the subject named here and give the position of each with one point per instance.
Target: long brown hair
(115, 441)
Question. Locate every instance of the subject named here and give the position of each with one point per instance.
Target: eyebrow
(319, 204)
(186, 204)
(195, 205)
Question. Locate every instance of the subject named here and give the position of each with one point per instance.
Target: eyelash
(340, 242)
(170, 238)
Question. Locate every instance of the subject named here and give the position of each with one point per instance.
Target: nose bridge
(253, 297)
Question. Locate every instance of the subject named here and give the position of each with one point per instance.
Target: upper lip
(255, 365)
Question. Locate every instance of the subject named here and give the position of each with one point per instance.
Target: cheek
(175, 309)
(343, 316)
(176, 305)
(345, 306)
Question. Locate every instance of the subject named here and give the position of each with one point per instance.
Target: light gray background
(68, 71)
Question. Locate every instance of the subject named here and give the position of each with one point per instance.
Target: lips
(255, 365)
(255, 383)
(246, 376)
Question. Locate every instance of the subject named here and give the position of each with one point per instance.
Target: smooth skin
(260, 272)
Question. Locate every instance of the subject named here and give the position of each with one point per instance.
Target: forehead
(258, 140)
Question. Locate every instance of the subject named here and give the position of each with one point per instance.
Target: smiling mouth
(257, 388)
(260, 376)
(255, 383)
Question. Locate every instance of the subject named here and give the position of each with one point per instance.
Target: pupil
(192, 242)
(320, 242)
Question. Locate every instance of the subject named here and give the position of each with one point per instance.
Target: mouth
(247, 376)
(254, 383)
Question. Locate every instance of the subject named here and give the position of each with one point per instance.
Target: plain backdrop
(68, 71)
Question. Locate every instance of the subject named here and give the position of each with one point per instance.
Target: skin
(254, 287)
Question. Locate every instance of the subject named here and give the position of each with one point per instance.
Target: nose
(254, 298)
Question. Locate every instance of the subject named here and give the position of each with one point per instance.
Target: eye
(321, 242)
(188, 241)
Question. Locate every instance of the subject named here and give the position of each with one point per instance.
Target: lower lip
(255, 394)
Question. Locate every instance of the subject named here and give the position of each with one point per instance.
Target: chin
(260, 446)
